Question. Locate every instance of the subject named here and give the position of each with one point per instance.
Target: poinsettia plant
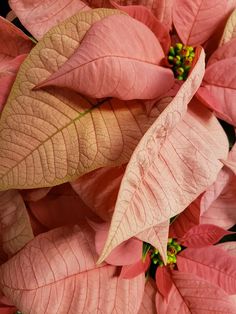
(117, 179)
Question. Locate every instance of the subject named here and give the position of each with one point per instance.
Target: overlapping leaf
(191, 294)
(211, 263)
(196, 21)
(230, 29)
(50, 137)
(148, 303)
(58, 274)
(168, 168)
(162, 9)
(15, 228)
(125, 55)
(39, 16)
(219, 84)
(14, 47)
(203, 235)
(145, 16)
(61, 206)
(219, 200)
(186, 220)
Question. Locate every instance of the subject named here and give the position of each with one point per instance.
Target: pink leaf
(230, 247)
(99, 189)
(128, 252)
(8, 71)
(162, 9)
(196, 21)
(61, 199)
(211, 263)
(13, 49)
(39, 16)
(230, 29)
(203, 235)
(157, 236)
(59, 274)
(185, 220)
(148, 305)
(15, 226)
(146, 17)
(132, 71)
(34, 195)
(164, 281)
(224, 52)
(133, 270)
(164, 176)
(13, 41)
(191, 294)
(219, 200)
(219, 88)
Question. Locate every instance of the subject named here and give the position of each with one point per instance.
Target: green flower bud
(172, 51)
(179, 46)
(180, 71)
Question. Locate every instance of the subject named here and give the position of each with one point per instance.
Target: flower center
(173, 248)
(181, 58)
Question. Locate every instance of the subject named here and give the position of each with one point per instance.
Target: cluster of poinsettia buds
(173, 248)
(181, 58)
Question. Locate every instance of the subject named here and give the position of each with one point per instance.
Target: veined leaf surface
(54, 136)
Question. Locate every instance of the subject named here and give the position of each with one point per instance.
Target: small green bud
(170, 240)
(170, 58)
(180, 77)
(180, 71)
(155, 260)
(172, 51)
(179, 46)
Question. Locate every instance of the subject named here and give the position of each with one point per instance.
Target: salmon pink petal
(60, 275)
(145, 16)
(133, 270)
(224, 52)
(39, 16)
(219, 200)
(192, 294)
(8, 71)
(162, 9)
(211, 263)
(13, 50)
(163, 176)
(164, 281)
(13, 41)
(61, 206)
(219, 89)
(196, 21)
(15, 228)
(34, 195)
(185, 220)
(203, 235)
(128, 252)
(99, 189)
(148, 305)
(128, 70)
(221, 211)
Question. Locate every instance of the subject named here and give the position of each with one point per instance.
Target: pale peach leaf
(54, 136)
(167, 171)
